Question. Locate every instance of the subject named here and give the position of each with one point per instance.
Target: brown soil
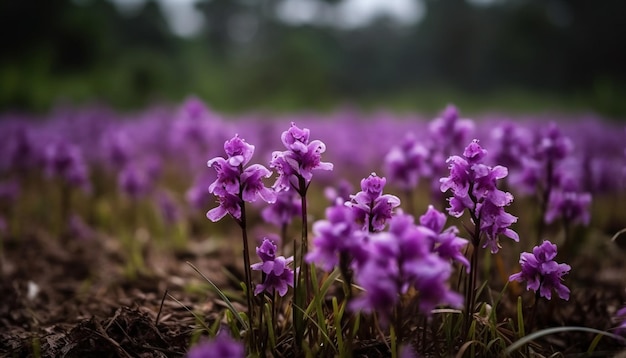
(84, 305)
(74, 300)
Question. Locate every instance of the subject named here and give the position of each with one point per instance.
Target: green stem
(303, 274)
(247, 273)
(473, 274)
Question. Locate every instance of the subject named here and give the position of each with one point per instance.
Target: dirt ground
(73, 299)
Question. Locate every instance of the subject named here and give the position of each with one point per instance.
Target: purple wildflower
(337, 235)
(299, 160)
(21, 153)
(234, 184)
(572, 206)
(449, 128)
(379, 279)
(405, 164)
(511, 144)
(541, 272)
(65, 161)
(282, 212)
(221, 346)
(399, 259)
(422, 268)
(371, 206)
(446, 134)
(342, 192)
(277, 274)
(228, 204)
(447, 243)
(554, 145)
(473, 186)
(540, 167)
(168, 207)
(239, 152)
(117, 148)
(198, 195)
(133, 181)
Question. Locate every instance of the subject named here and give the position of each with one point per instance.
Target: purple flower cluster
(406, 163)
(541, 166)
(541, 272)
(511, 143)
(277, 274)
(446, 243)
(449, 129)
(299, 160)
(446, 134)
(134, 181)
(571, 206)
(65, 161)
(338, 235)
(473, 186)
(370, 206)
(234, 184)
(222, 346)
(397, 260)
(282, 212)
(556, 174)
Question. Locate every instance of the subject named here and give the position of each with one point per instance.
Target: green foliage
(484, 56)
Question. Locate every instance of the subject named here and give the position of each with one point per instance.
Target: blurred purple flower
(404, 164)
(198, 195)
(511, 143)
(277, 275)
(133, 181)
(541, 167)
(282, 212)
(222, 346)
(337, 235)
(449, 129)
(342, 191)
(21, 152)
(399, 259)
(447, 244)
(167, 205)
(65, 161)
(370, 206)
(447, 133)
(117, 148)
(541, 272)
(571, 206)
(553, 145)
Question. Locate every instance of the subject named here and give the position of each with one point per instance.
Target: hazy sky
(185, 20)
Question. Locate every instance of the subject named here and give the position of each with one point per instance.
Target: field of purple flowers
(186, 232)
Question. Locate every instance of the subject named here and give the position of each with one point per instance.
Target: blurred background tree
(237, 55)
